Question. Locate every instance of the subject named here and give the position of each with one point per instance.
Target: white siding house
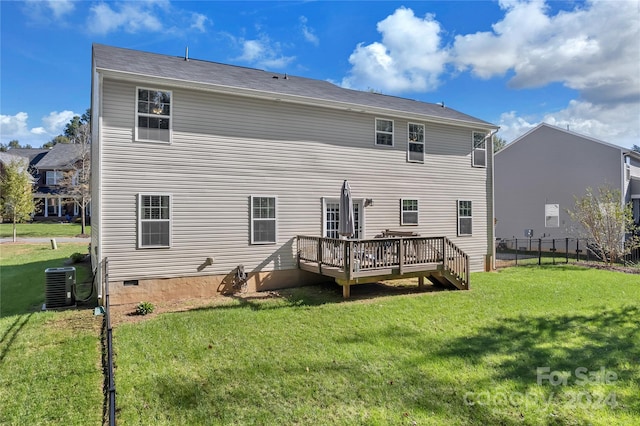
(538, 175)
(200, 167)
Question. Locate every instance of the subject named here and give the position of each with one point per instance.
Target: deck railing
(357, 256)
(456, 262)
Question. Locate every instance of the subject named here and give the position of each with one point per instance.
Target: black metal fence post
(566, 249)
(539, 251)
(516, 252)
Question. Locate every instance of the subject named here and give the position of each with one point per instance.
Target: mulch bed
(616, 268)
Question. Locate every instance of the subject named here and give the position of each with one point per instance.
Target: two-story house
(50, 170)
(539, 175)
(202, 171)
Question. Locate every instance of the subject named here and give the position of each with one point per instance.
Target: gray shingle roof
(176, 68)
(61, 156)
(34, 155)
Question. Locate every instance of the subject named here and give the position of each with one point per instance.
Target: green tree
(635, 148)
(607, 222)
(498, 143)
(16, 187)
(76, 181)
(58, 139)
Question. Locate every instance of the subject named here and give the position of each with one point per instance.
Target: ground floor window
(409, 213)
(465, 217)
(263, 220)
(154, 220)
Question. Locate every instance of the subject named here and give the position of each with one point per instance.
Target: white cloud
(129, 17)
(592, 49)
(55, 122)
(198, 22)
(45, 12)
(60, 7)
(603, 122)
(14, 126)
(308, 32)
(17, 127)
(264, 53)
(409, 57)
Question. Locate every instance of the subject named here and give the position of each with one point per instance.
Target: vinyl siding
(549, 166)
(226, 149)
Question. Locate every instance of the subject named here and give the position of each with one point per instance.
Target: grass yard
(50, 362)
(22, 276)
(43, 230)
(454, 358)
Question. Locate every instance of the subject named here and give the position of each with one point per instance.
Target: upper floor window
(409, 214)
(384, 132)
(263, 220)
(53, 177)
(154, 220)
(479, 152)
(415, 149)
(153, 115)
(465, 218)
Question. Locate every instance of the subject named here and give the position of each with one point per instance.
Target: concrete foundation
(170, 289)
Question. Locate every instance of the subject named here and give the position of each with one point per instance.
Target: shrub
(144, 308)
(77, 257)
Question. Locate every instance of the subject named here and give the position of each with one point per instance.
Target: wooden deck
(352, 262)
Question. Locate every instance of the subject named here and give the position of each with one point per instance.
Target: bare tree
(16, 189)
(75, 183)
(606, 222)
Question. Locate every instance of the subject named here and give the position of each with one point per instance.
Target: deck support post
(401, 256)
(420, 281)
(346, 291)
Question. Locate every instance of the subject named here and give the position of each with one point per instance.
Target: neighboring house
(538, 176)
(203, 171)
(50, 170)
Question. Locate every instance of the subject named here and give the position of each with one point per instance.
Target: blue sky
(514, 63)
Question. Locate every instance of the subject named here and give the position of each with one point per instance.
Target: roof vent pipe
(186, 53)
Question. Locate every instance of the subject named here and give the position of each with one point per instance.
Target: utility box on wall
(59, 284)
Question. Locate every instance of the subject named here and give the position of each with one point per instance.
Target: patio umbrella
(346, 217)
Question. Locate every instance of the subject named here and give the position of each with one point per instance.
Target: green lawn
(42, 230)
(452, 358)
(50, 362)
(22, 275)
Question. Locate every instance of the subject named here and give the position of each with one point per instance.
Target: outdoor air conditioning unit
(59, 284)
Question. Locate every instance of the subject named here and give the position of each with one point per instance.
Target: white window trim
(402, 211)
(409, 142)
(58, 175)
(474, 149)
(547, 209)
(392, 133)
(459, 217)
(251, 220)
(136, 138)
(336, 200)
(139, 207)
